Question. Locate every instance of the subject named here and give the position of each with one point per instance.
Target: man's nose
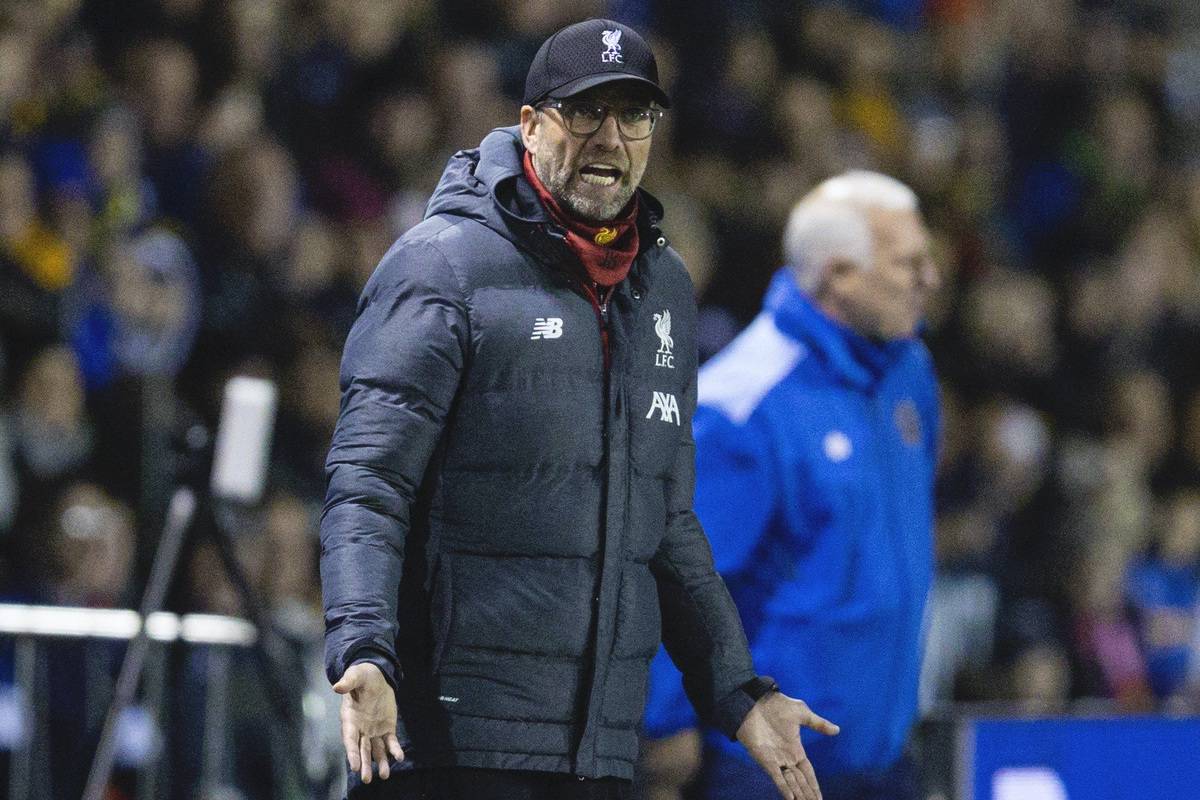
(609, 133)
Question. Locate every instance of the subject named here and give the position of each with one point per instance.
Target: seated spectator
(1110, 662)
(93, 549)
(51, 434)
(1163, 589)
(36, 266)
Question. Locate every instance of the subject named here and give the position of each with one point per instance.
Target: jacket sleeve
(400, 372)
(701, 628)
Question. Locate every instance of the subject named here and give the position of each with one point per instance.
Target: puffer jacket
(506, 521)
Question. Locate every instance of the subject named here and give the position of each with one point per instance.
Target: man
(510, 481)
(816, 439)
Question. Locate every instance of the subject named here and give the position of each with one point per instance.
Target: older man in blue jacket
(816, 438)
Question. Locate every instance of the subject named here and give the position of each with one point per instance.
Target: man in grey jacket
(508, 531)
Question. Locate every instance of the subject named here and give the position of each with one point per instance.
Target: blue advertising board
(1124, 758)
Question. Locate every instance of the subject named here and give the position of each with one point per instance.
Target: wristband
(760, 687)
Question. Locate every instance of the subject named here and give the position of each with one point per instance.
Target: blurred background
(191, 189)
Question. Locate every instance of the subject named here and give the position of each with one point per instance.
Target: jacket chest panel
(544, 330)
(863, 479)
(655, 351)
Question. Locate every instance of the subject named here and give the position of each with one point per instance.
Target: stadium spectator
(89, 552)
(1163, 589)
(52, 436)
(93, 548)
(37, 265)
(964, 604)
(1110, 659)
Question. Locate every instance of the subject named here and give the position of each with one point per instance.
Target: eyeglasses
(584, 118)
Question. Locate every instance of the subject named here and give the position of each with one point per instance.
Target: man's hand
(368, 720)
(771, 732)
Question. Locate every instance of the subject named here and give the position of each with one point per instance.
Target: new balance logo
(666, 406)
(547, 328)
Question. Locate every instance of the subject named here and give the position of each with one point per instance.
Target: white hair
(830, 223)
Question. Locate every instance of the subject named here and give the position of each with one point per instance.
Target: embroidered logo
(837, 446)
(612, 43)
(547, 328)
(666, 406)
(663, 357)
(605, 236)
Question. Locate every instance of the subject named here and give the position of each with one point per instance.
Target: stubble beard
(558, 179)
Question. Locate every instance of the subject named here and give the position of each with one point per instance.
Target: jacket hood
(487, 184)
(856, 359)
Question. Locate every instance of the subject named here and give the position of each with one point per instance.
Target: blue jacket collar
(856, 360)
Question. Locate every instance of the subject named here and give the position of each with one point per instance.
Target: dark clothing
(465, 783)
(506, 518)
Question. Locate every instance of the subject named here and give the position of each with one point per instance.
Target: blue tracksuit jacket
(816, 450)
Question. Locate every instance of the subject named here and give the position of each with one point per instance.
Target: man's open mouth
(600, 174)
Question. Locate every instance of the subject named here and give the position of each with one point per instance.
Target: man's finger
(795, 783)
(805, 768)
(347, 683)
(379, 753)
(393, 746)
(350, 742)
(820, 724)
(364, 750)
(777, 776)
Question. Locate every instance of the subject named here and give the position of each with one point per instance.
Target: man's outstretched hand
(368, 720)
(771, 733)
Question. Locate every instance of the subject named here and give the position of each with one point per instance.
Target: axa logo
(667, 407)
(547, 328)
(612, 44)
(663, 357)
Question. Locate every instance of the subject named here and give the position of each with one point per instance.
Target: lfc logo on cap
(612, 41)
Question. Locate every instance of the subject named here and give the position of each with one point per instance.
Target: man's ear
(529, 128)
(834, 276)
(832, 284)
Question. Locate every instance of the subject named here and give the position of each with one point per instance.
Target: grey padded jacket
(507, 523)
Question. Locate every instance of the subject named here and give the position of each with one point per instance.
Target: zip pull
(600, 307)
(603, 299)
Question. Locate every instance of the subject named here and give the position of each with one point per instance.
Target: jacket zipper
(600, 297)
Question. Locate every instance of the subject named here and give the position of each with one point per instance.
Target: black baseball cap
(588, 54)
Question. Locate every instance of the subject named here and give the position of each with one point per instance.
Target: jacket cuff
(733, 708)
(371, 654)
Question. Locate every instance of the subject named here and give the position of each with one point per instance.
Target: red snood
(606, 251)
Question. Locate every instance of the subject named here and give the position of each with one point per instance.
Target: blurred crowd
(191, 189)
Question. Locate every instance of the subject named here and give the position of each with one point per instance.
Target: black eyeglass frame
(655, 112)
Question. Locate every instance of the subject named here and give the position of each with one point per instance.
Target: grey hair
(830, 223)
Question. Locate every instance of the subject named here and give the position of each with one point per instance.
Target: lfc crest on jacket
(663, 357)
